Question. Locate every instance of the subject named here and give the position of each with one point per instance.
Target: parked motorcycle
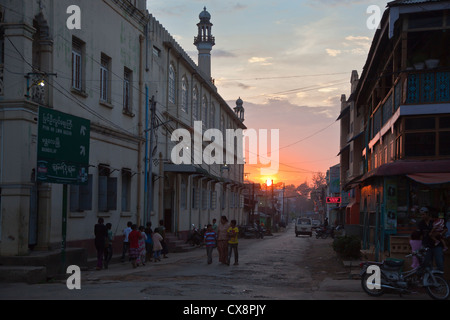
(252, 232)
(324, 232)
(195, 237)
(393, 279)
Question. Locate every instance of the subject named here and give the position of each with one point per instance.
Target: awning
(408, 167)
(356, 136)
(342, 150)
(343, 113)
(430, 178)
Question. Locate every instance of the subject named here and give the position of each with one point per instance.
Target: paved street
(275, 268)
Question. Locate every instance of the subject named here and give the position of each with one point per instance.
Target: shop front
(391, 197)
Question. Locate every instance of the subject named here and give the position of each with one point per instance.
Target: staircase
(176, 245)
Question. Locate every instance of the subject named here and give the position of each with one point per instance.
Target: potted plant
(418, 59)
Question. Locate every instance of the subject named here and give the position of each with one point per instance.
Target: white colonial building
(118, 68)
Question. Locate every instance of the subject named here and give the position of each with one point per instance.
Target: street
(279, 267)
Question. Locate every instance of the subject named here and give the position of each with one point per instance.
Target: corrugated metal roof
(406, 2)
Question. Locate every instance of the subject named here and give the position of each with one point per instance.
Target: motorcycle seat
(394, 263)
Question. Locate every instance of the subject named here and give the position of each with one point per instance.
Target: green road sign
(63, 147)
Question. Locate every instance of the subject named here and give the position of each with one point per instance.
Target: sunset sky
(289, 61)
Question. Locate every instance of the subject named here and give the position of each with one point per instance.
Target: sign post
(62, 156)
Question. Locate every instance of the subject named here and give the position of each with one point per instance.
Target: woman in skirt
(133, 239)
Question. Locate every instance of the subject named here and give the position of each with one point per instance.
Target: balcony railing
(428, 87)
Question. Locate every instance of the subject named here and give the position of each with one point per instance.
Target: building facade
(397, 127)
(135, 85)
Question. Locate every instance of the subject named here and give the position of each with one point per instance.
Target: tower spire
(204, 42)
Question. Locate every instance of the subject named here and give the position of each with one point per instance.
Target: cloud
(327, 89)
(333, 52)
(352, 38)
(260, 60)
(244, 86)
(357, 45)
(220, 53)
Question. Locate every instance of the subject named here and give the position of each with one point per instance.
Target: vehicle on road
(392, 278)
(303, 226)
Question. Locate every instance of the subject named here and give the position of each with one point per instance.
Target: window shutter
(86, 195)
(102, 193)
(74, 198)
(112, 193)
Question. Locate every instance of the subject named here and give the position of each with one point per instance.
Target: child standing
(142, 251)
(233, 233)
(436, 234)
(108, 245)
(210, 239)
(157, 247)
(416, 244)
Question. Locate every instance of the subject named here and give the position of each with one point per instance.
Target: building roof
(407, 2)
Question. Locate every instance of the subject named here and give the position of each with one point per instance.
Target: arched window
(204, 111)
(212, 116)
(184, 95)
(195, 105)
(171, 84)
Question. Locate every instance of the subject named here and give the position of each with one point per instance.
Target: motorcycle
(324, 232)
(195, 237)
(393, 279)
(252, 232)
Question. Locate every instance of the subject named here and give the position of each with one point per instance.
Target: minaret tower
(204, 42)
(239, 109)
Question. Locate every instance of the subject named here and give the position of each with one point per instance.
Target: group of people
(433, 233)
(225, 237)
(142, 244)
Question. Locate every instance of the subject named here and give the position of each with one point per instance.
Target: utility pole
(149, 158)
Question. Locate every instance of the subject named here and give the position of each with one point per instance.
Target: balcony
(427, 87)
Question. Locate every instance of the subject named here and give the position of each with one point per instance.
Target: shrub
(347, 246)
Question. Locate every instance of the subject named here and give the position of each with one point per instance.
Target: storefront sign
(334, 199)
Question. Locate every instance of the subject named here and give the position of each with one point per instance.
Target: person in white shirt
(126, 244)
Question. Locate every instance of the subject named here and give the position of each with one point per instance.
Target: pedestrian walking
(222, 239)
(108, 245)
(214, 225)
(100, 233)
(157, 247)
(162, 232)
(210, 240)
(133, 238)
(233, 233)
(142, 251)
(126, 244)
(149, 241)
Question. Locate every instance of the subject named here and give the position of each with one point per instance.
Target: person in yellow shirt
(233, 233)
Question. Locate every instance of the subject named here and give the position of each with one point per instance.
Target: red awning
(430, 178)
